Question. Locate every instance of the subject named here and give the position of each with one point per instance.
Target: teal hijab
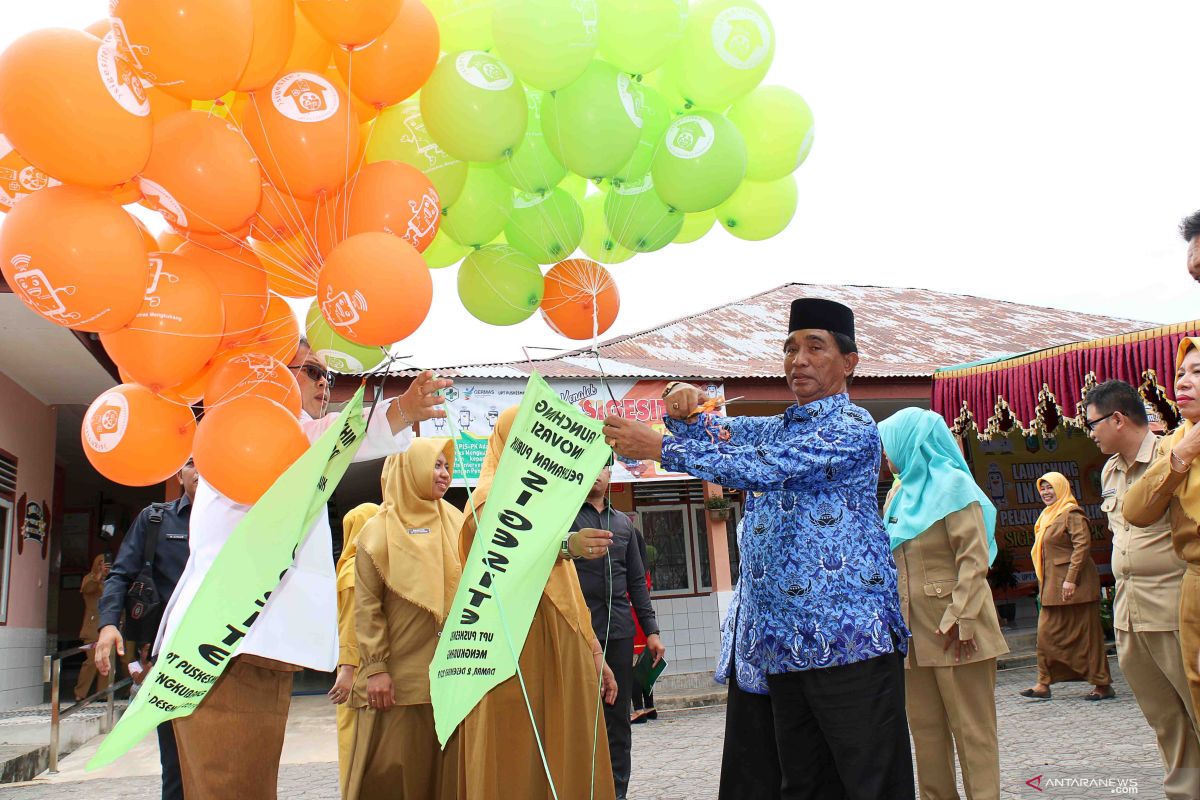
(934, 478)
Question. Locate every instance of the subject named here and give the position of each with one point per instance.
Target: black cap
(826, 315)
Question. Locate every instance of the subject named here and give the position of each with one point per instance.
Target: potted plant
(1003, 578)
(718, 508)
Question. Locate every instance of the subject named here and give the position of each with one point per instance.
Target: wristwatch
(564, 548)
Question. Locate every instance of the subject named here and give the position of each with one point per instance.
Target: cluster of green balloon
(614, 127)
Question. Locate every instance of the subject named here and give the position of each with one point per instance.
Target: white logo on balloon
(741, 37)
(305, 97)
(483, 70)
(104, 426)
(121, 81)
(631, 98)
(690, 137)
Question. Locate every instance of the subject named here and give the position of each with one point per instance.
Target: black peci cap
(826, 315)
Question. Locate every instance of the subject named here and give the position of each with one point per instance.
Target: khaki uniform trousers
(230, 746)
(954, 708)
(1153, 664)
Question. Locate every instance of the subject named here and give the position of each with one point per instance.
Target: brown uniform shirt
(1144, 563)
(1154, 495)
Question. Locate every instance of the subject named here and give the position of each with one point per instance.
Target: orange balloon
(394, 66)
(177, 330)
(195, 49)
(274, 29)
(100, 28)
(239, 277)
(219, 241)
(363, 111)
(375, 289)
(18, 178)
(202, 175)
(304, 132)
(281, 215)
(291, 264)
(127, 193)
(75, 258)
(310, 50)
(244, 445)
(186, 393)
(169, 240)
(73, 108)
(350, 22)
(396, 198)
(237, 374)
(279, 335)
(147, 237)
(133, 437)
(581, 299)
(163, 105)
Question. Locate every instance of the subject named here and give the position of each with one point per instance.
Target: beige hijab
(352, 525)
(413, 540)
(562, 587)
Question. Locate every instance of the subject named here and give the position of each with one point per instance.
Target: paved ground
(1081, 750)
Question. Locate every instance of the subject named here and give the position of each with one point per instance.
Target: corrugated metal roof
(901, 333)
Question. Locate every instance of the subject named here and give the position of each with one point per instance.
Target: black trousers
(168, 756)
(619, 656)
(839, 733)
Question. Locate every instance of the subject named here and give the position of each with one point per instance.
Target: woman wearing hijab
(352, 525)
(91, 588)
(1070, 639)
(943, 536)
(1172, 483)
(560, 662)
(406, 572)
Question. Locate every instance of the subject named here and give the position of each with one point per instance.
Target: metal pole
(112, 681)
(55, 674)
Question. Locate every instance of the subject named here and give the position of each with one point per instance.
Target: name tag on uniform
(892, 520)
(1108, 493)
(418, 530)
(177, 535)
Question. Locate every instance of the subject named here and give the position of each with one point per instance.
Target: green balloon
(500, 285)
(340, 354)
(545, 227)
(638, 218)
(575, 185)
(778, 128)
(532, 168)
(548, 43)
(444, 251)
(598, 243)
(481, 210)
(593, 125)
(727, 48)
(660, 81)
(399, 135)
(701, 162)
(694, 226)
(656, 116)
(759, 211)
(636, 36)
(463, 24)
(474, 107)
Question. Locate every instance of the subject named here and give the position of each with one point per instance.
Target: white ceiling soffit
(47, 360)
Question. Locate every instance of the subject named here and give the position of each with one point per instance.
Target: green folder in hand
(645, 673)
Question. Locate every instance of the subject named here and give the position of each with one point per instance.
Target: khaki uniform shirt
(1147, 571)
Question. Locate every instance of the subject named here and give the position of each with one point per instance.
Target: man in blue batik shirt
(814, 636)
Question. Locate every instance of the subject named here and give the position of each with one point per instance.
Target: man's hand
(633, 439)
(420, 402)
(1068, 591)
(381, 694)
(589, 543)
(656, 647)
(964, 647)
(340, 692)
(608, 685)
(683, 400)
(109, 637)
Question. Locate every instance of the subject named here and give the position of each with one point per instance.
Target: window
(701, 528)
(7, 519)
(667, 531)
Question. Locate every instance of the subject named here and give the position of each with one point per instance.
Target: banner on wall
(1007, 469)
(474, 406)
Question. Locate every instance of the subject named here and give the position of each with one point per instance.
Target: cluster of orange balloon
(244, 124)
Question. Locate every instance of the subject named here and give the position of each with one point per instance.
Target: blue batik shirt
(817, 583)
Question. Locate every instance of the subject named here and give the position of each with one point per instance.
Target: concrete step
(673, 700)
(25, 737)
